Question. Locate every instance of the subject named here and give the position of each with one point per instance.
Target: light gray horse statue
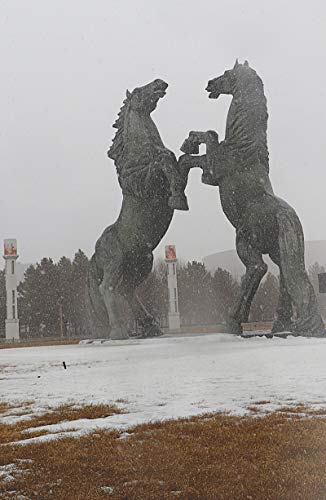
(264, 223)
(152, 187)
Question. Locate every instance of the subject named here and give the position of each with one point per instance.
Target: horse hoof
(178, 202)
(119, 334)
(190, 148)
(279, 326)
(152, 331)
(310, 327)
(233, 326)
(207, 178)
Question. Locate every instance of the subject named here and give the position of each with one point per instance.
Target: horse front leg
(186, 162)
(136, 273)
(206, 162)
(255, 270)
(115, 303)
(177, 179)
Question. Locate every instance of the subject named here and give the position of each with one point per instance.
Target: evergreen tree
(225, 289)
(153, 292)
(65, 286)
(39, 299)
(78, 310)
(196, 294)
(29, 305)
(52, 297)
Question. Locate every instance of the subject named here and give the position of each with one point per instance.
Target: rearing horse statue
(264, 223)
(152, 187)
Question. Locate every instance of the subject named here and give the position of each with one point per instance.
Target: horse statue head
(145, 98)
(246, 126)
(240, 79)
(135, 111)
(145, 167)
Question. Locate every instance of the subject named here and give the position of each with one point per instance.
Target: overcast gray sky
(65, 66)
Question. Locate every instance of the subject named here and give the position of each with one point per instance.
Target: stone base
(150, 331)
(12, 329)
(119, 333)
(174, 321)
(268, 334)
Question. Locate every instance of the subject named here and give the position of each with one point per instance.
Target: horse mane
(116, 150)
(247, 132)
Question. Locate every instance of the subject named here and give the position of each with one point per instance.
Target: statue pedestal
(12, 329)
(12, 321)
(171, 268)
(174, 321)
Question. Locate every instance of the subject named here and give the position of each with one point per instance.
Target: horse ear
(246, 64)
(128, 94)
(236, 64)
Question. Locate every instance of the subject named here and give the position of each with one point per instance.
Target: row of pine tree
(52, 296)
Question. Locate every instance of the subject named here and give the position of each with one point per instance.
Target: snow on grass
(164, 378)
(8, 472)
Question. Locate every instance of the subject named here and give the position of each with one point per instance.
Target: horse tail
(291, 239)
(291, 246)
(97, 316)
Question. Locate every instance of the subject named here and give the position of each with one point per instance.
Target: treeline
(203, 298)
(51, 298)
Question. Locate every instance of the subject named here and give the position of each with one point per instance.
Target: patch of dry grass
(71, 412)
(19, 409)
(302, 409)
(220, 457)
(4, 407)
(40, 343)
(254, 409)
(64, 413)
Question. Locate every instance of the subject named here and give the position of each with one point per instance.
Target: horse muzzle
(213, 88)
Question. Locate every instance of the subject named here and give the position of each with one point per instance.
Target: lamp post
(12, 321)
(171, 265)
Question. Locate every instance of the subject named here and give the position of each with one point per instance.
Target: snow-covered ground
(166, 377)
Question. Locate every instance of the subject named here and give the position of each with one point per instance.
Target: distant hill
(315, 251)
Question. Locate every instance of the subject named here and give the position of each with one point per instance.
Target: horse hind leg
(136, 274)
(97, 316)
(110, 255)
(284, 311)
(115, 303)
(255, 270)
(291, 248)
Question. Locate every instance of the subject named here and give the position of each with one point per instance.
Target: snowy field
(168, 377)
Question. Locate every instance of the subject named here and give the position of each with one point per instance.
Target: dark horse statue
(152, 188)
(264, 223)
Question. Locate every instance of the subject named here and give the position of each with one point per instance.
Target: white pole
(12, 321)
(171, 265)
